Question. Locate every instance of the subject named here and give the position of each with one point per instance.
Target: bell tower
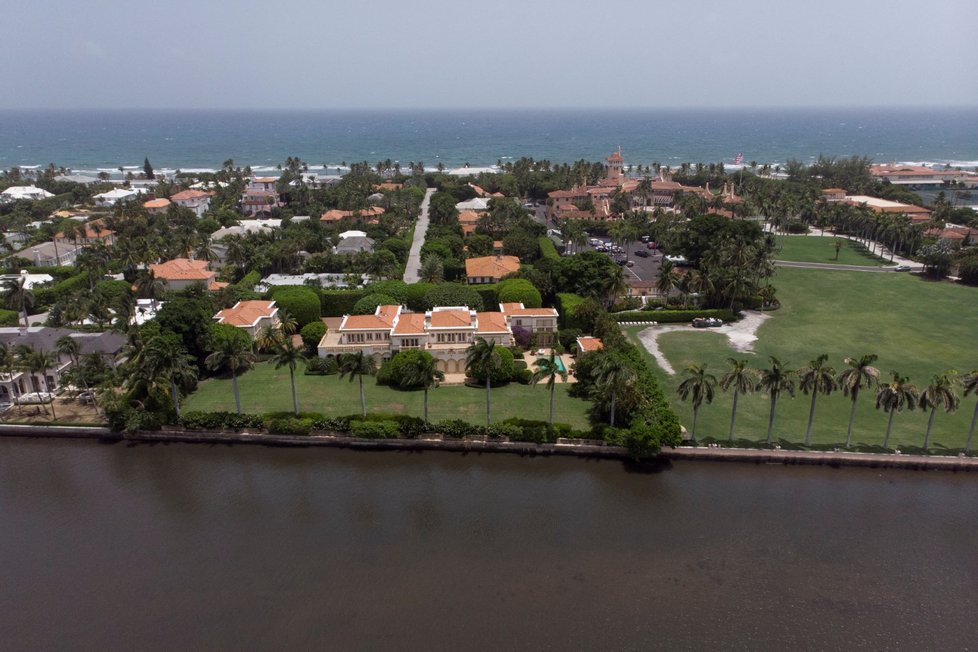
(614, 167)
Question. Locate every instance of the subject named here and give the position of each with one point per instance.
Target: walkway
(413, 266)
(741, 334)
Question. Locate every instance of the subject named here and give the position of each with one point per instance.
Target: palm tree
(164, 359)
(550, 368)
(860, 373)
(776, 380)
(7, 361)
(970, 385)
(668, 279)
(268, 338)
(744, 381)
(482, 355)
(700, 386)
(233, 353)
(357, 365)
(288, 355)
(816, 378)
(18, 297)
(38, 362)
(893, 397)
(940, 393)
(422, 371)
(613, 376)
(287, 323)
(150, 287)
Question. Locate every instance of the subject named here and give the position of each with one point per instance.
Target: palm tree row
(818, 378)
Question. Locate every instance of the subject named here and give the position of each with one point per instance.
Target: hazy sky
(492, 53)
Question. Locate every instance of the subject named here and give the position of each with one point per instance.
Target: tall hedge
(368, 304)
(567, 303)
(547, 248)
(299, 301)
(489, 294)
(519, 290)
(337, 303)
(9, 317)
(452, 294)
(414, 295)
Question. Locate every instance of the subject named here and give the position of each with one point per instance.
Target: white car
(677, 260)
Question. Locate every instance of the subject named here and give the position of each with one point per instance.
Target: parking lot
(643, 268)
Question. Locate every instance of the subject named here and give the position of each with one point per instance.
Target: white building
(112, 197)
(30, 193)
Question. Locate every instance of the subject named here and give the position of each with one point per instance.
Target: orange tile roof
(387, 185)
(533, 312)
(335, 215)
(162, 202)
(509, 307)
(491, 322)
(833, 191)
(410, 323)
(492, 266)
(246, 313)
(588, 343)
(186, 195)
(213, 286)
(451, 319)
(182, 269)
(468, 217)
(93, 230)
(369, 322)
(388, 312)
(615, 156)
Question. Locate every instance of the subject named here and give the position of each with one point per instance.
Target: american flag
(739, 158)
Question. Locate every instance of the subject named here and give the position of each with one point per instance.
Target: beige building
(444, 332)
(489, 269)
(181, 273)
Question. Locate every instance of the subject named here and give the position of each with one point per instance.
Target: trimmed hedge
(9, 317)
(489, 294)
(375, 429)
(567, 303)
(300, 301)
(312, 333)
(336, 303)
(221, 420)
(519, 290)
(671, 316)
(547, 248)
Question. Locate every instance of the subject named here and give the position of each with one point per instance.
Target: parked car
(651, 245)
(707, 322)
(642, 253)
(902, 268)
(677, 260)
(630, 263)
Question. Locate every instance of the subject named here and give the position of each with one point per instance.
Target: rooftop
(246, 313)
(491, 266)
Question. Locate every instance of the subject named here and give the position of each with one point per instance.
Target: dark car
(642, 253)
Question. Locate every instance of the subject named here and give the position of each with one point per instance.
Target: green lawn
(917, 327)
(266, 389)
(817, 249)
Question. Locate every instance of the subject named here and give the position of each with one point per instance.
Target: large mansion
(444, 332)
(645, 194)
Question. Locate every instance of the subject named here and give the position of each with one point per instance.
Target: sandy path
(742, 335)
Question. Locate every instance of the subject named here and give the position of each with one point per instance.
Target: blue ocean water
(192, 139)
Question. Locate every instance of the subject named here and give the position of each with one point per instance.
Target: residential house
(108, 344)
(917, 214)
(475, 204)
(29, 193)
(95, 231)
(181, 273)
(352, 242)
(260, 196)
(196, 200)
(252, 316)
(112, 197)
(445, 332)
(489, 269)
(157, 206)
(50, 254)
(369, 215)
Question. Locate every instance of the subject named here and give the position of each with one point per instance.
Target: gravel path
(742, 335)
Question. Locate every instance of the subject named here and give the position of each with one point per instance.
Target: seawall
(587, 448)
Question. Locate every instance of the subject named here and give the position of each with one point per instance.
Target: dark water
(90, 140)
(185, 547)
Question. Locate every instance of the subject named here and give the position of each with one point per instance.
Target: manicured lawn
(916, 327)
(817, 249)
(266, 389)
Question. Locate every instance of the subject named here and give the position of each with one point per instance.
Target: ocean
(90, 141)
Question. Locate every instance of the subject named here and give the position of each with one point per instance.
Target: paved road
(420, 229)
(844, 268)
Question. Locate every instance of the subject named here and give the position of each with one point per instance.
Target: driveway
(413, 266)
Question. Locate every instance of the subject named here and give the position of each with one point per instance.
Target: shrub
(490, 295)
(414, 295)
(522, 336)
(312, 333)
(520, 364)
(392, 371)
(531, 430)
(321, 366)
(522, 376)
(220, 332)
(249, 281)
(568, 338)
(375, 429)
(501, 374)
(368, 304)
(398, 290)
(456, 428)
(509, 430)
(332, 424)
(519, 290)
(288, 425)
(301, 302)
(408, 426)
(220, 421)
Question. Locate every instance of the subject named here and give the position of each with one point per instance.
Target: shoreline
(585, 450)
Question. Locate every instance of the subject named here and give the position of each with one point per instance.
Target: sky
(308, 54)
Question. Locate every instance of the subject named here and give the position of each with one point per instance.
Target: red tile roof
(246, 313)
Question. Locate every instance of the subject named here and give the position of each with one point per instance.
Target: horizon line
(484, 108)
